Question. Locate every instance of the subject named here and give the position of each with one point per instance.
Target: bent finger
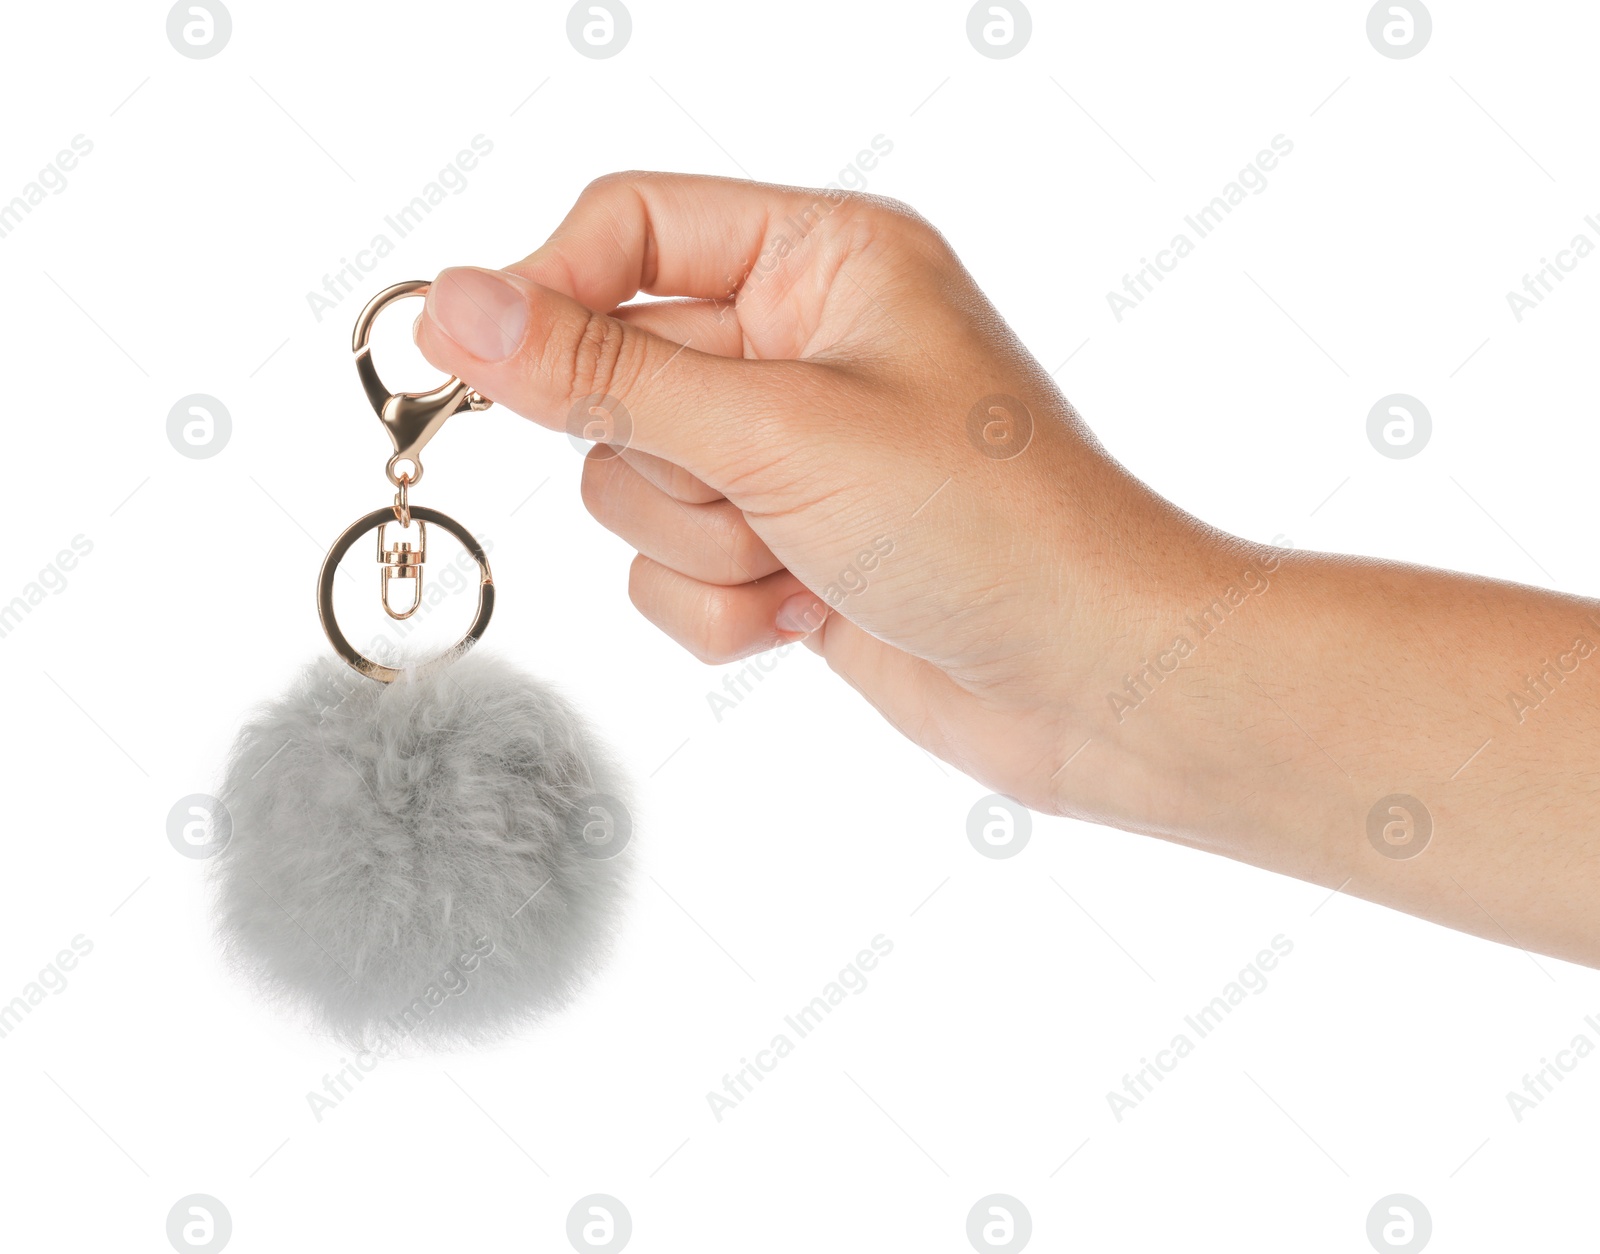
(711, 543)
(666, 234)
(719, 624)
(711, 326)
(671, 478)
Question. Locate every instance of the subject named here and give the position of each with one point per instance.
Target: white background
(777, 842)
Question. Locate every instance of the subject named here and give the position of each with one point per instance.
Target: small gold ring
(330, 565)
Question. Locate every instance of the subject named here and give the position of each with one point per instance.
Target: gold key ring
(330, 565)
(411, 419)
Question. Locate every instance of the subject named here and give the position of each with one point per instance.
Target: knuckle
(710, 624)
(596, 485)
(883, 210)
(709, 634)
(743, 550)
(686, 487)
(715, 638)
(595, 353)
(608, 183)
(638, 593)
(883, 219)
(894, 209)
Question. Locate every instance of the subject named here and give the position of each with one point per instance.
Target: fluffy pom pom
(433, 859)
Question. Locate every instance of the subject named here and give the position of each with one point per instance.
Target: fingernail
(481, 310)
(801, 614)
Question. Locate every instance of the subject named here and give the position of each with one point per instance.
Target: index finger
(667, 235)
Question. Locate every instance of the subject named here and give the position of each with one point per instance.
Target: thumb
(543, 355)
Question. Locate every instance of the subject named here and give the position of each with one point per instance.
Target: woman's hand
(834, 436)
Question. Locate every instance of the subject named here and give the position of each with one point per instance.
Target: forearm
(1305, 715)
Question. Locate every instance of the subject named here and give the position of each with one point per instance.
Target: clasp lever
(410, 418)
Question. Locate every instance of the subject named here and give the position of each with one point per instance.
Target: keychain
(420, 852)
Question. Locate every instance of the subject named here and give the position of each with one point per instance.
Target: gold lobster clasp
(410, 418)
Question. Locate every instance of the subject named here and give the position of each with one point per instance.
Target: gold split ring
(330, 565)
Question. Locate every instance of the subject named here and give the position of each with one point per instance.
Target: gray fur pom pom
(433, 859)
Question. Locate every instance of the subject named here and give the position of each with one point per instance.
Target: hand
(812, 454)
(836, 438)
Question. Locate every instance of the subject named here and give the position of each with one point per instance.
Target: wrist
(1240, 747)
(1170, 719)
